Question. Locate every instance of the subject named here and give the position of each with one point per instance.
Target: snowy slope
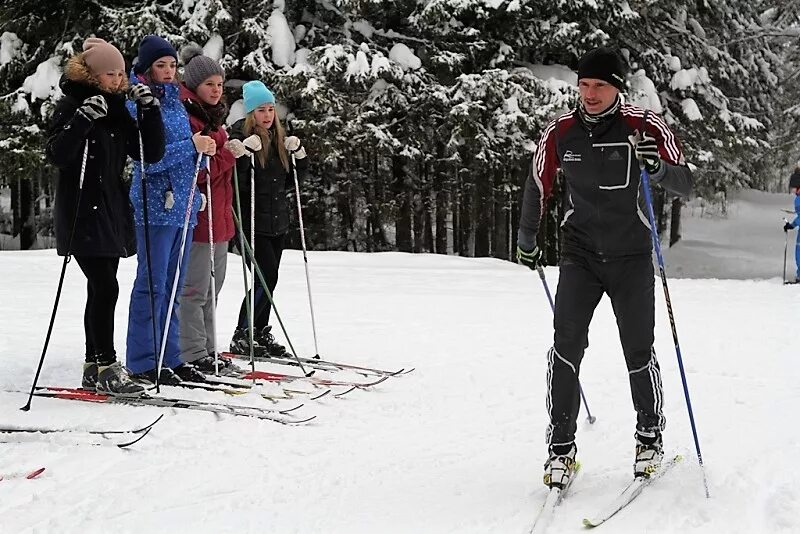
(747, 242)
(457, 446)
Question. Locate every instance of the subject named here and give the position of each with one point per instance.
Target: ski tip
(345, 392)
(289, 410)
(36, 473)
(321, 395)
(588, 523)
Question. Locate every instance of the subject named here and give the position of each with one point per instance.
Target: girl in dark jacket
(273, 178)
(93, 111)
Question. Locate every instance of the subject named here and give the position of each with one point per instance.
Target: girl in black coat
(92, 113)
(261, 131)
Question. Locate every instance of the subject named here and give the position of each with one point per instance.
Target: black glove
(94, 107)
(788, 226)
(530, 258)
(142, 94)
(646, 149)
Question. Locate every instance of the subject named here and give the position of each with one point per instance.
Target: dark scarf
(593, 120)
(214, 116)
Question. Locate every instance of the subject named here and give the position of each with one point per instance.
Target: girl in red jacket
(201, 94)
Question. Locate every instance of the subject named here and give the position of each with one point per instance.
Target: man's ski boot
(560, 467)
(649, 454)
(113, 379)
(240, 344)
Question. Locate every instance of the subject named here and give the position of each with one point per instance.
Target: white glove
(292, 144)
(203, 202)
(253, 143)
(237, 148)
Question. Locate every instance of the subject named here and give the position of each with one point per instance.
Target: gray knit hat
(197, 67)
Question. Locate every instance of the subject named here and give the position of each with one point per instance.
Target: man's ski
(136, 434)
(323, 365)
(633, 490)
(22, 474)
(269, 414)
(554, 498)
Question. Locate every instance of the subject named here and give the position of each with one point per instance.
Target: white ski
(554, 498)
(633, 490)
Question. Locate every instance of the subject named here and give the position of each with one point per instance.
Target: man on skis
(606, 248)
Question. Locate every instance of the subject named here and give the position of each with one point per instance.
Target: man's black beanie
(603, 64)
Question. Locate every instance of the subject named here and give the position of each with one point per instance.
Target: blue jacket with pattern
(175, 171)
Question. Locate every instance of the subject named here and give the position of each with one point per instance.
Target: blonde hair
(266, 136)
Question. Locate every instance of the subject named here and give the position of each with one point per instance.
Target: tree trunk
(442, 205)
(376, 237)
(403, 220)
(419, 222)
(428, 233)
(465, 218)
(501, 219)
(456, 212)
(24, 218)
(675, 222)
(484, 206)
(659, 197)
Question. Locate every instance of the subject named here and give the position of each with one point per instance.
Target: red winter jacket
(221, 185)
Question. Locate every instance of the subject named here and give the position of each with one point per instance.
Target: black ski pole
(67, 258)
(247, 298)
(589, 416)
(657, 246)
(146, 221)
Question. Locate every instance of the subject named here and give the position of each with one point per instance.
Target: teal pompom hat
(256, 94)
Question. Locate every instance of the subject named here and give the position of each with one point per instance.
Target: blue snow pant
(797, 254)
(165, 243)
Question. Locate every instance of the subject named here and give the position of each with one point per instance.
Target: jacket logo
(615, 156)
(569, 155)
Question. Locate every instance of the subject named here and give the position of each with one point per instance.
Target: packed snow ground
(456, 446)
(746, 242)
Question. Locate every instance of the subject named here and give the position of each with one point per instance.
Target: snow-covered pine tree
(421, 117)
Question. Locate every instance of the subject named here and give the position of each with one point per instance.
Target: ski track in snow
(456, 446)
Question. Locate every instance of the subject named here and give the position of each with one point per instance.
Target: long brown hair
(276, 131)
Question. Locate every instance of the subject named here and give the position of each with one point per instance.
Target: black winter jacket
(607, 216)
(272, 183)
(104, 225)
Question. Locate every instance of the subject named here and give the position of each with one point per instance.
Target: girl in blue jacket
(169, 185)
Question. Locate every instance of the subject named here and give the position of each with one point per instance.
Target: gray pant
(195, 313)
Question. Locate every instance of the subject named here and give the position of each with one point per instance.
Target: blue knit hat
(152, 48)
(256, 94)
